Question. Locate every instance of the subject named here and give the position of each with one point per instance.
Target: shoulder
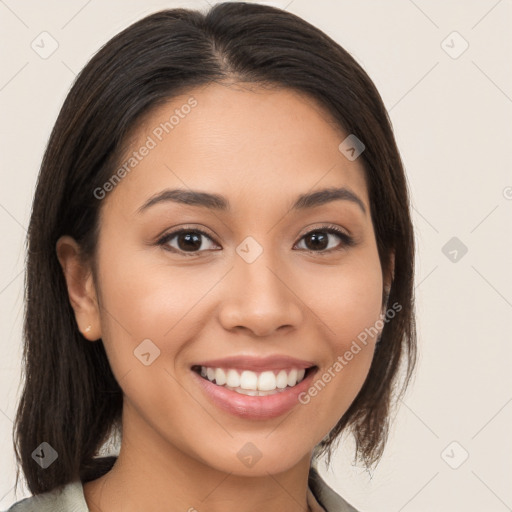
(329, 499)
(70, 498)
(66, 498)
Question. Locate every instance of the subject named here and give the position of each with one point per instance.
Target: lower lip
(254, 407)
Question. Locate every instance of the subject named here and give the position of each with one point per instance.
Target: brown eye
(318, 240)
(187, 241)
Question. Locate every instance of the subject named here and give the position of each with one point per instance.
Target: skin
(260, 148)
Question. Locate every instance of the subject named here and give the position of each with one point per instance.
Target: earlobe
(80, 286)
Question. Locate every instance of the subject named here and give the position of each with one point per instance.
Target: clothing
(70, 498)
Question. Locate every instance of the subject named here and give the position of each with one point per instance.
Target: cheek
(348, 304)
(144, 300)
(142, 293)
(349, 299)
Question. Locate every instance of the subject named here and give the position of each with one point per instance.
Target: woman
(220, 270)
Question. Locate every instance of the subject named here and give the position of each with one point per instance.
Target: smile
(247, 382)
(253, 395)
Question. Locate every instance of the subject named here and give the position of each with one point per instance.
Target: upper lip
(257, 363)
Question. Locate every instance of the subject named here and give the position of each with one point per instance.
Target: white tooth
(250, 392)
(251, 381)
(210, 373)
(267, 393)
(282, 379)
(233, 379)
(248, 380)
(292, 377)
(267, 381)
(220, 376)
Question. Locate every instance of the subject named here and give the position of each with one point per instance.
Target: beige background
(453, 122)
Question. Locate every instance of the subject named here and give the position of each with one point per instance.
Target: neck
(153, 474)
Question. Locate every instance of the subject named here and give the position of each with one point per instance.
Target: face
(264, 290)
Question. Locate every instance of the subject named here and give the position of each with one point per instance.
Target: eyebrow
(220, 203)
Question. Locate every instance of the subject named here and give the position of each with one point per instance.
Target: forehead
(244, 141)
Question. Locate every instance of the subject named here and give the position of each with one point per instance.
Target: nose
(259, 297)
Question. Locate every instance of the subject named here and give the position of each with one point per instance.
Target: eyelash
(347, 240)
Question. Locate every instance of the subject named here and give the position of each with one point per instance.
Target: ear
(81, 288)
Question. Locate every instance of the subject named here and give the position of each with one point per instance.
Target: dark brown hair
(70, 398)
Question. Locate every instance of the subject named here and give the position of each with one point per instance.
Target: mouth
(259, 394)
(255, 383)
